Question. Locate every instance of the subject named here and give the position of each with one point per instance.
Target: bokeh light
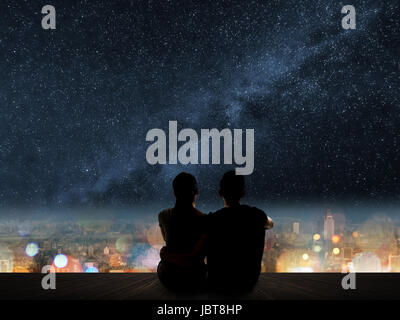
(293, 261)
(355, 234)
(143, 257)
(336, 251)
(124, 244)
(60, 260)
(305, 256)
(154, 237)
(64, 263)
(336, 239)
(317, 249)
(32, 249)
(316, 237)
(151, 259)
(92, 270)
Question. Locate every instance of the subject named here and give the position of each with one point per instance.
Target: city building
(296, 227)
(394, 263)
(5, 266)
(329, 225)
(106, 251)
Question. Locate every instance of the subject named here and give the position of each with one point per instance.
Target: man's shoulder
(253, 209)
(243, 209)
(257, 213)
(217, 213)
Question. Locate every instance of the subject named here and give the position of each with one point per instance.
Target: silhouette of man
(235, 239)
(183, 228)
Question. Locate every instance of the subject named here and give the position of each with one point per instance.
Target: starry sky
(77, 102)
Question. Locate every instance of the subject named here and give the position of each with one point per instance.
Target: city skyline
(114, 244)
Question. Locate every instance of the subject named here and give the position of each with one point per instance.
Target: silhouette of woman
(183, 229)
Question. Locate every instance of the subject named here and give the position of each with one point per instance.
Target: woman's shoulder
(199, 213)
(164, 214)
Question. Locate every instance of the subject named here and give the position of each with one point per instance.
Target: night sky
(77, 102)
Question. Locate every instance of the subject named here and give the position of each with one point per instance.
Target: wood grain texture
(146, 286)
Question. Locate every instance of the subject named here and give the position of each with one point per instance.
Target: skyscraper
(5, 266)
(296, 227)
(329, 225)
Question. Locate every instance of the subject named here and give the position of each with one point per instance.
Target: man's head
(185, 187)
(231, 187)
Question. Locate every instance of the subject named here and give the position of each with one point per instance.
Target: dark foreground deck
(147, 287)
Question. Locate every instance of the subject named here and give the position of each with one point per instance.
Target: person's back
(235, 239)
(182, 227)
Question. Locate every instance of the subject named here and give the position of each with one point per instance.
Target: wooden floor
(146, 286)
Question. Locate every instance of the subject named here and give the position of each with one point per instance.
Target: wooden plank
(146, 286)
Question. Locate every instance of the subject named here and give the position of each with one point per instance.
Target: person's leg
(198, 279)
(160, 271)
(165, 275)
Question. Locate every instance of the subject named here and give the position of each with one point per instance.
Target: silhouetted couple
(232, 239)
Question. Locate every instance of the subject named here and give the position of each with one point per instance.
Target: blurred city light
(143, 257)
(366, 262)
(336, 239)
(154, 237)
(64, 263)
(6, 259)
(60, 260)
(124, 244)
(298, 261)
(32, 249)
(301, 269)
(115, 260)
(317, 249)
(132, 245)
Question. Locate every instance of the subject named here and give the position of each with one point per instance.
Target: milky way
(77, 102)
